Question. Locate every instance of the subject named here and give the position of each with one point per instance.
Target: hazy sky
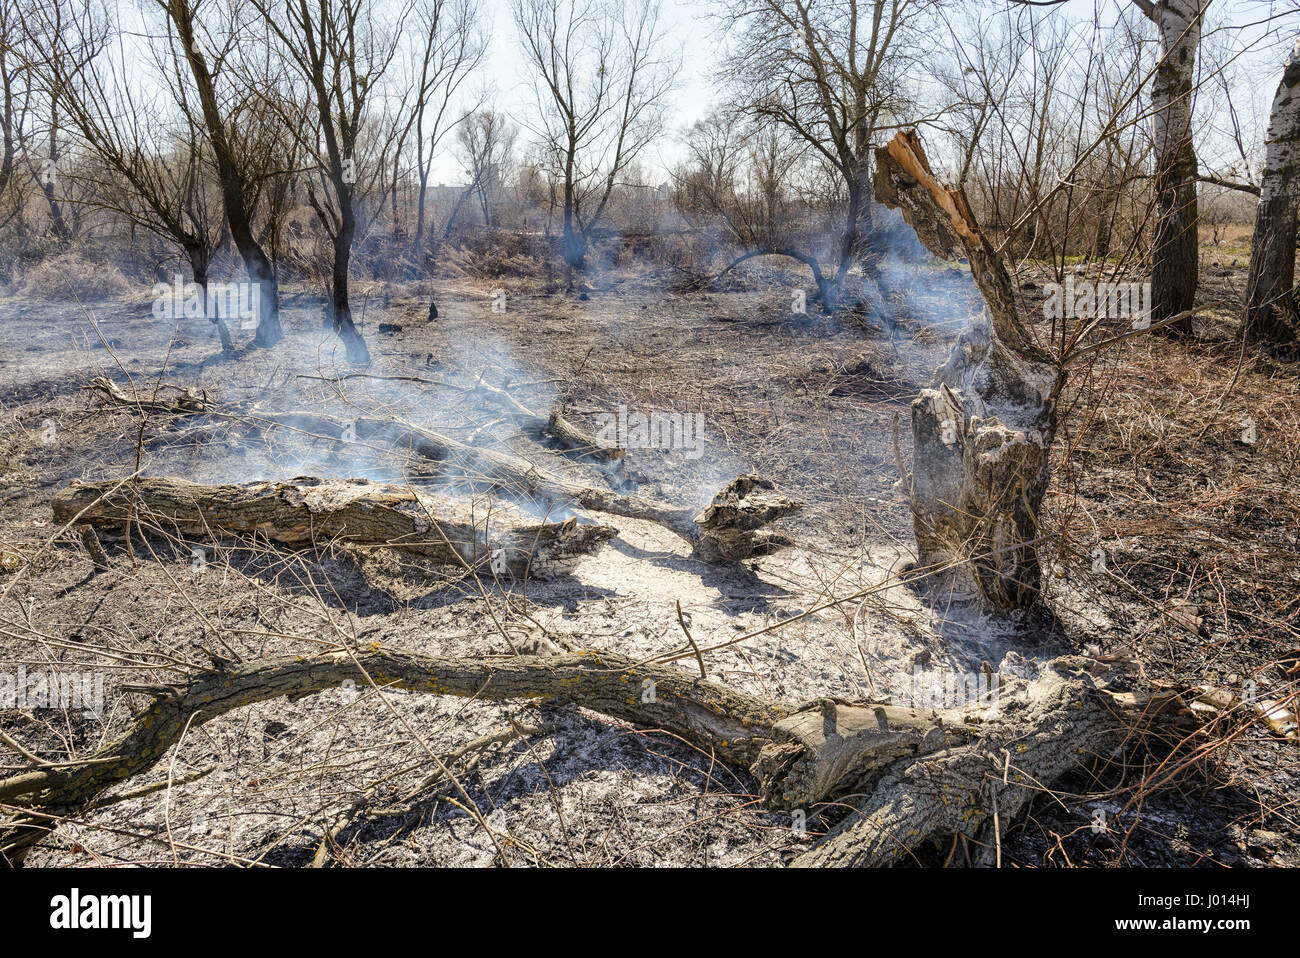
(696, 36)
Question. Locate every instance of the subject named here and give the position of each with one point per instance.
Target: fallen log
(730, 722)
(926, 773)
(983, 430)
(958, 790)
(727, 530)
(352, 512)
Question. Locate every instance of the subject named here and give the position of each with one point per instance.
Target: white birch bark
(1272, 254)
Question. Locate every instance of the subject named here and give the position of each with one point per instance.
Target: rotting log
(926, 773)
(345, 512)
(983, 430)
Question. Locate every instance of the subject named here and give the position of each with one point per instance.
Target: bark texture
(733, 526)
(354, 512)
(1175, 256)
(1064, 722)
(1271, 314)
(982, 432)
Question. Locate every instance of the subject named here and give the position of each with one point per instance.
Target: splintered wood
(732, 525)
(982, 431)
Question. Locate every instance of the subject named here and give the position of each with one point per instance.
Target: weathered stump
(983, 430)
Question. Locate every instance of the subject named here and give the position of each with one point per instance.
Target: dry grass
(69, 276)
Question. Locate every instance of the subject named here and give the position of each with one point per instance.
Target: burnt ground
(1198, 529)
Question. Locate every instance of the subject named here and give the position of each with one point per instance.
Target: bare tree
(706, 182)
(41, 27)
(220, 118)
(487, 143)
(15, 90)
(834, 74)
(152, 173)
(741, 173)
(603, 78)
(1053, 156)
(447, 48)
(337, 53)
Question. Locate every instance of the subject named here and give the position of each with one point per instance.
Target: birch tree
(1270, 300)
(1175, 259)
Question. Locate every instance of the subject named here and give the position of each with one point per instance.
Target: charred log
(733, 526)
(717, 534)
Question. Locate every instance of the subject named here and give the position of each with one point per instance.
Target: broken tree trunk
(732, 526)
(927, 773)
(982, 432)
(344, 512)
(959, 790)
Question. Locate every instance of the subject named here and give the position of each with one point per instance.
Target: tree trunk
(574, 248)
(417, 242)
(50, 180)
(233, 188)
(982, 432)
(1175, 252)
(261, 273)
(199, 259)
(961, 788)
(354, 345)
(1271, 315)
(924, 774)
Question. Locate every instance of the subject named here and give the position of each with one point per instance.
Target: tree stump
(983, 430)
